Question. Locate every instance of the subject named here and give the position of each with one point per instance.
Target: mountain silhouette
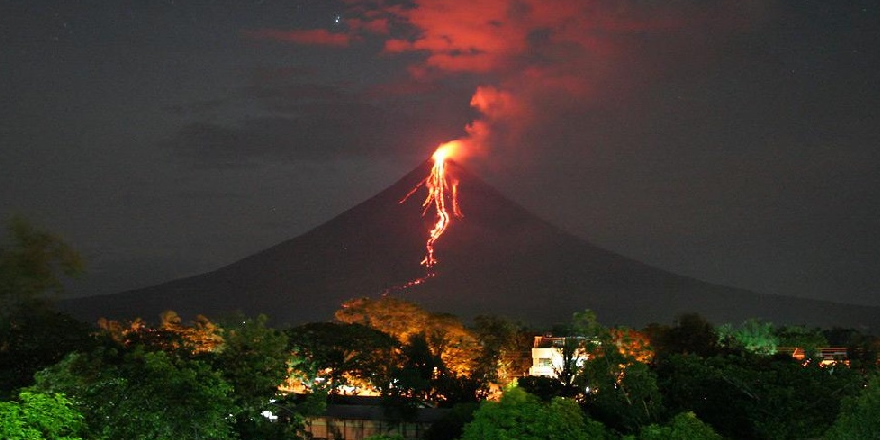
(498, 259)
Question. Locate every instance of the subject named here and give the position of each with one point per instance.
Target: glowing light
(440, 187)
(442, 197)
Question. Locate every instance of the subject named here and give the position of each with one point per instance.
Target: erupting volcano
(545, 276)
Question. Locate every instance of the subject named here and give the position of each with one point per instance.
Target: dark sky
(733, 141)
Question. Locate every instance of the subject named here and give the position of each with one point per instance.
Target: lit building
(829, 355)
(548, 354)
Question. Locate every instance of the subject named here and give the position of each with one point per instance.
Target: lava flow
(443, 197)
(438, 183)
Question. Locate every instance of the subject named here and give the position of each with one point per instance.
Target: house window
(545, 362)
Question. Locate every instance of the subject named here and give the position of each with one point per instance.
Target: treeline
(238, 377)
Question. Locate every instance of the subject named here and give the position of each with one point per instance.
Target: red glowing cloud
(534, 56)
(546, 54)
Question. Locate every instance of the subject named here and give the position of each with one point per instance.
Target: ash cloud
(538, 61)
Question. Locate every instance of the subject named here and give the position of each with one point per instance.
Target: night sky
(732, 141)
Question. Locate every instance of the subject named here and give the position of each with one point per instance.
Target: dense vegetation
(238, 377)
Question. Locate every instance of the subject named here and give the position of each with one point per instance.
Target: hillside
(498, 259)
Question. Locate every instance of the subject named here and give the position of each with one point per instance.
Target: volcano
(499, 259)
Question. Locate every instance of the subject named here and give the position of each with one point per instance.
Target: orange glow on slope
(443, 197)
(438, 184)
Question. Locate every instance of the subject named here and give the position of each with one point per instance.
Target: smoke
(535, 59)
(539, 58)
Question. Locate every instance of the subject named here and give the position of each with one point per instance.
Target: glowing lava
(442, 196)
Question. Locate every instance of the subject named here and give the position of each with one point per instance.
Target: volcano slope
(498, 259)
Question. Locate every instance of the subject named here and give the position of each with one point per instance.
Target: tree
(583, 337)
(36, 338)
(143, 395)
(253, 360)
(171, 335)
(810, 340)
(447, 337)
(342, 354)
(623, 393)
(749, 396)
(859, 417)
(452, 342)
(397, 317)
(631, 343)
(546, 388)
(684, 426)
(452, 424)
(753, 335)
(862, 349)
(414, 380)
(504, 347)
(39, 416)
(32, 334)
(32, 263)
(690, 334)
(519, 415)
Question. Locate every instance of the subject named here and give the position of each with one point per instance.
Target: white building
(547, 354)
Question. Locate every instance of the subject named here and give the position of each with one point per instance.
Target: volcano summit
(498, 259)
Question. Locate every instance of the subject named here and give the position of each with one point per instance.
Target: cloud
(541, 60)
(535, 63)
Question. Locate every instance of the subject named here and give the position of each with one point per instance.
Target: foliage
(452, 342)
(438, 361)
(447, 337)
(452, 425)
(684, 426)
(40, 416)
(859, 417)
(623, 393)
(810, 340)
(753, 335)
(503, 344)
(755, 396)
(690, 334)
(415, 381)
(143, 395)
(32, 334)
(31, 264)
(396, 317)
(253, 360)
(171, 335)
(631, 343)
(546, 388)
(862, 349)
(582, 337)
(35, 338)
(519, 415)
(342, 355)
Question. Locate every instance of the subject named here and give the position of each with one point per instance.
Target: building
(549, 354)
(830, 355)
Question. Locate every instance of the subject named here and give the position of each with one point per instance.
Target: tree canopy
(32, 263)
(519, 415)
